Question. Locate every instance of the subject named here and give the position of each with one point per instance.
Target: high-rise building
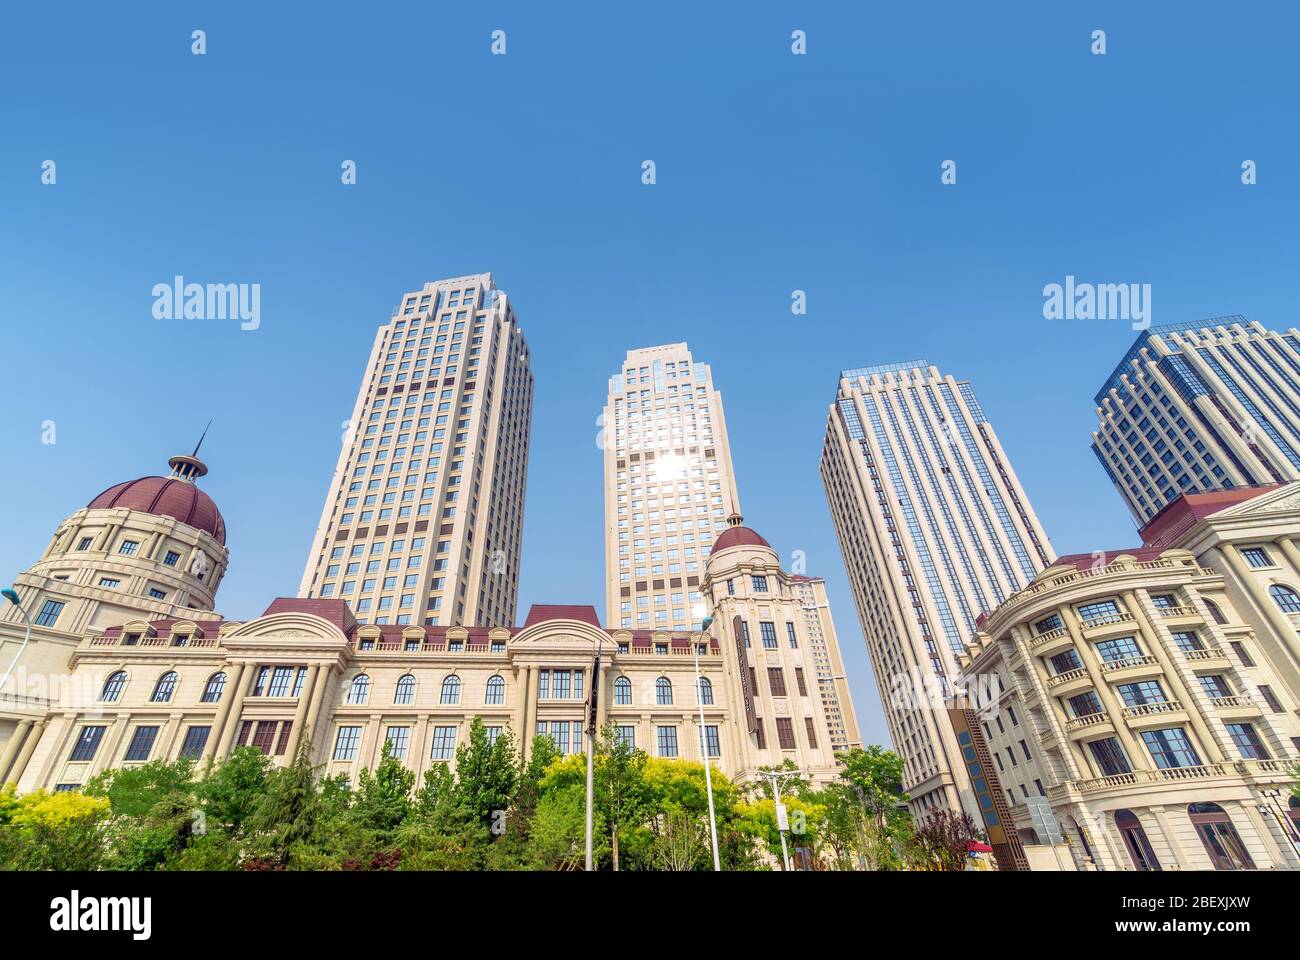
(669, 486)
(1207, 405)
(935, 529)
(424, 517)
(827, 663)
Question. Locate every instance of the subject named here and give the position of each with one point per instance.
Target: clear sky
(775, 172)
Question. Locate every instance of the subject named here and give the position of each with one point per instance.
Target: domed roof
(737, 535)
(176, 496)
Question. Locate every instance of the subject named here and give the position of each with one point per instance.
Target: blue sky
(775, 173)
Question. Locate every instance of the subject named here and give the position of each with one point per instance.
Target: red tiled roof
(1084, 561)
(546, 611)
(1178, 517)
(335, 611)
(166, 497)
(738, 536)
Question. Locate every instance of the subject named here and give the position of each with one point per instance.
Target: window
(141, 743)
(1066, 661)
(50, 611)
(789, 632)
(760, 735)
(776, 681)
(163, 690)
(196, 738)
(1285, 598)
(664, 692)
(622, 692)
(496, 691)
(450, 690)
(345, 744)
(811, 729)
(1247, 741)
(493, 735)
(767, 630)
(85, 542)
(1187, 641)
(171, 559)
(1091, 612)
(785, 732)
(1135, 839)
(1109, 756)
(128, 548)
(1219, 837)
(800, 682)
(110, 582)
(1215, 686)
(1170, 748)
(709, 743)
(396, 739)
(280, 678)
(1120, 648)
(1048, 624)
(759, 583)
(1141, 693)
(626, 735)
(113, 687)
(215, 686)
(667, 741)
(444, 743)
(1270, 698)
(87, 743)
(157, 594)
(1257, 557)
(1239, 649)
(1085, 704)
(1215, 613)
(706, 691)
(404, 692)
(359, 691)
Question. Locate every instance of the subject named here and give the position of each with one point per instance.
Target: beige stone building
(147, 549)
(1147, 697)
(934, 528)
(423, 521)
(669, 486)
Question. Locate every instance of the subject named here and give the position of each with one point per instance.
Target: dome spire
(190, 468)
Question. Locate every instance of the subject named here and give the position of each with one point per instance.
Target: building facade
(669, 486)
(1193, 407)
(934, 528)
(150, 548)
(827, 661)
(423, 521)
(1147, 696)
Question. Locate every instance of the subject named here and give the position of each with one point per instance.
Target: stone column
(12, 747)
(522, 676)
(1138, 757)
(25, 754)
(230, 723)
(1171, 837)
(313, 711)
(235, 686)
(300, 713)
(530, 716)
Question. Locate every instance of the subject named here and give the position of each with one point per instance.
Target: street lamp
(591, 751)
(775, 777)
(705, 623)
(12, 596)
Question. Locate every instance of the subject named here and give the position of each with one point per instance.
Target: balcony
(1178, 613)
(1234, 707)
(1130, 667)
(153, 643)
(1111, 624)
(1069, 681)
(1208, 658)
(1090, 725)
(1046, 644)
(1153, 714)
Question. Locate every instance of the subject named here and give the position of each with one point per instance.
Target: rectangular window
(543, 684)
(1120, 648)
(785, 732)
(710, 745)
(667, 741)
(196, 738)
(109, 582)
(264, 738)
(1065, 661)
(759, 734)
(1170, 748)
(1085, 704)
(1109, 756)
(789, 632)
(626, 735)
(397, 739)
(1048, 624)
(811, 729)
(1101, 610)
(280, 678)
(444, 743)
(776, 681)
(141, 743)
(1247, 741)
(282, 741)
(799, 680)
(1257, 557)
(345, 745)
(759, 583)
(1187, 641)
(49, 614)
(87, 743)
(128, 548)
(1270, 698)
(1141, 693)
(171, 558)
(767, 630)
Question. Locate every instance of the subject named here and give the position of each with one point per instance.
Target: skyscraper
(935, 529)
(669, 486)
(424, 517)
(1206, 405)
(828, 664)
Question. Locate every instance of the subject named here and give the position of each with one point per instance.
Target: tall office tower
(832, 683)
(935, 529)
(669, 486)
(424, 517)
(1206, 405)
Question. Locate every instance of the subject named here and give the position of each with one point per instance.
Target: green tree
(621, 794)
(383, 799)
(286, 816)
(487, 775)
(877, 774)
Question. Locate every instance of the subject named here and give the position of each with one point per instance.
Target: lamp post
(705, 623)
(12, 596)
(774, 777)
(591, 751)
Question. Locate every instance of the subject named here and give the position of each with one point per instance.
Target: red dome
(166, 497)
(738, 536)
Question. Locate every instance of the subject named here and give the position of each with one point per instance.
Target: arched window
(405, 692)
(706, 691)
(360, 689)
(113, 687)
(216, 686)
(450, 690)
(663, 691)
(1135, 839)
(1215, 612)
(1285, 598)
(1219, 837)
(622, 692)
(162, 692)
(496, 691)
